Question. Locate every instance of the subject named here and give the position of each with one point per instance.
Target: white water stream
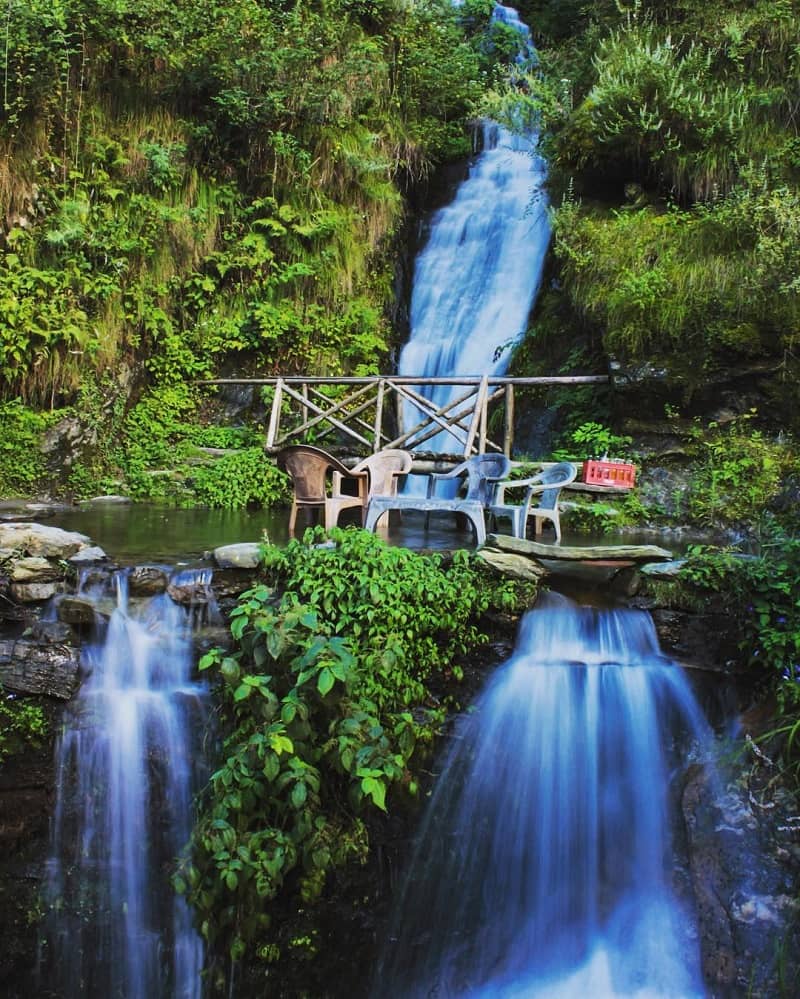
(476, 278)
(544, 865)
(126, 774)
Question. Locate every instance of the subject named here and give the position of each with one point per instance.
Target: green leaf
(242, 692)
(299, 794)
(325, 681)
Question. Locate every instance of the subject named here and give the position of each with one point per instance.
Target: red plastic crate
(609, 473)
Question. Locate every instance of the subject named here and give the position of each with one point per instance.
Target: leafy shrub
(323, 703)
(22, 725)
(234, 481)
(738, 474)
(593, 440)
(22, 465)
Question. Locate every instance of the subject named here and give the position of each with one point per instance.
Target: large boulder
(31, 667)
(42, 539)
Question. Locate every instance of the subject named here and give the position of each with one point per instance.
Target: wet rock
(703, 640)
(52, 633)
(627, 582)
(35, 569)
(34, 593)
(517, 566)
(41, 539)
(190, 594)
(242, 556)
(29, 667)
(76, 611)
(147, 580)
(92, 554)
(744, 882)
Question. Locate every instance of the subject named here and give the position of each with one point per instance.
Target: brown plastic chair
(308, 468)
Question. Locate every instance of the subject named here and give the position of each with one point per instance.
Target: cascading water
(126, 775)
(476, 278)
(542, 869)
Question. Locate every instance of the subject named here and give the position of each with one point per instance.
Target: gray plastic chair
(547, 485)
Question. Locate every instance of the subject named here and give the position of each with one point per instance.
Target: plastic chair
(547, 485)
(308, 467)
(384, 469)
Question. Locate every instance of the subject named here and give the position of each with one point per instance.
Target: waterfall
(543, 868)
(126, 775)
(476, 278)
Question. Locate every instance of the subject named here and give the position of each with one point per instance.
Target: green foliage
(323, 705)
(593, 440)
(698, 288)
(186, 186)
(407, 617)
(22, 725)
(22, 466)
(762, 595)
(739, 472)
(239, 480)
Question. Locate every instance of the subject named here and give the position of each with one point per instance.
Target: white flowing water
(543, 869)
(476, 278)
(126, 774)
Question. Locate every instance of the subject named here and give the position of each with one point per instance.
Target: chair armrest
(433, 477)
(338, 477)
(531, 485)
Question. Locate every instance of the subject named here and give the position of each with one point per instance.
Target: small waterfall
(476, 278)
(126, 775)
(542, 869)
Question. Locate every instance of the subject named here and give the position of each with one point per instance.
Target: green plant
(233, 481)
(739, 472)
(593, 440)
(22, 464)
(324, 701)
(22, 725)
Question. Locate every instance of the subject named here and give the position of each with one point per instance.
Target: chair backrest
(384, 469)
(308, 468)
(557, 476)
(479, 469)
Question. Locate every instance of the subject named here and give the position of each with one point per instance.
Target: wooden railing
(371, 413)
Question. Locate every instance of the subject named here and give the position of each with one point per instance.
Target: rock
(229, 583)
(35, 569)
(108, 500)
(77, 611)
(41, 539)
(32, 593)
(744, 881)
(627, 582)
(510, 564)
(28, 667)
(594, 553)
(91, 554)
(190, 594)
(147, 580)
(664, 570)
(242, 556)
(51, 633)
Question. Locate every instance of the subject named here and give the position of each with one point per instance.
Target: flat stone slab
(570, 553)
(514, 565)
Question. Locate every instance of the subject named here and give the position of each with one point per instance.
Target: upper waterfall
(476, 278)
